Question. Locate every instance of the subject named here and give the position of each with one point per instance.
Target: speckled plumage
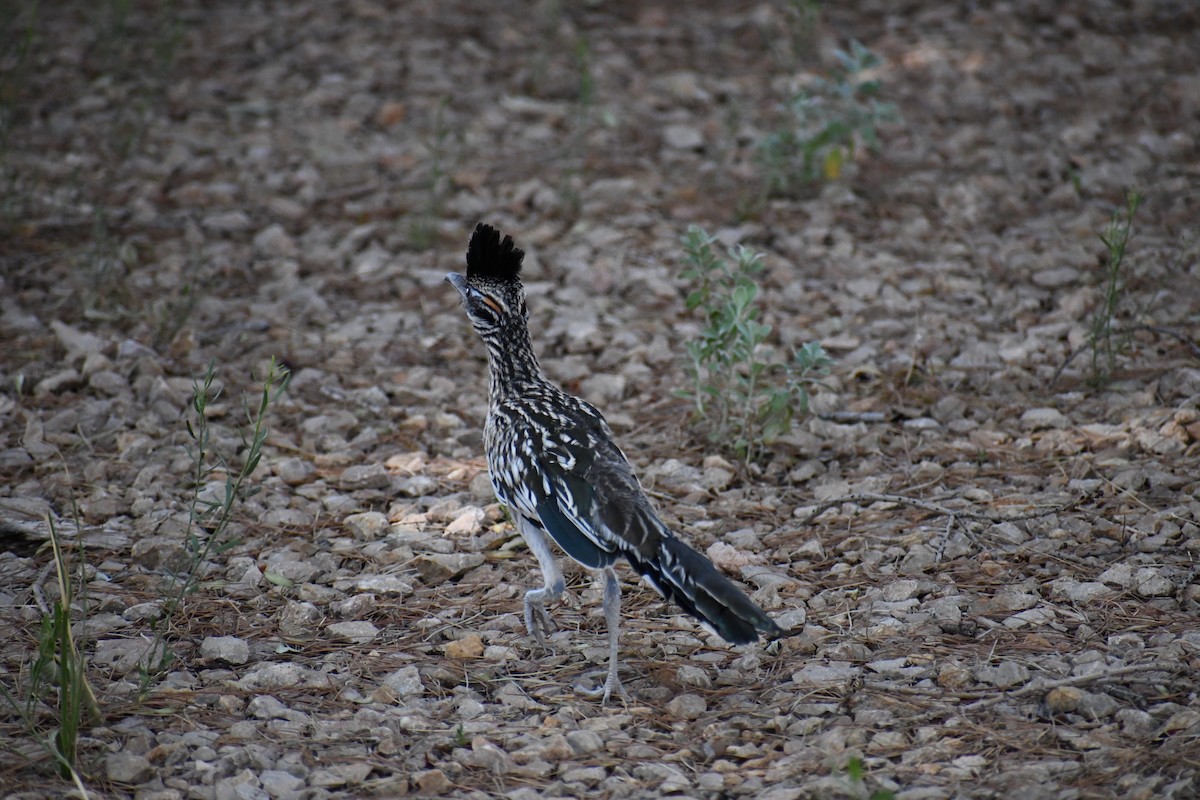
(554, 463)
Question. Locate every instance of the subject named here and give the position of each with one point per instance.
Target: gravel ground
(997, 584)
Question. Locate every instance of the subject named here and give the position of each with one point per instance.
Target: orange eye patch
(492, 304)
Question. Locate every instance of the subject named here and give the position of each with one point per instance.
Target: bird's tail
(687, 577)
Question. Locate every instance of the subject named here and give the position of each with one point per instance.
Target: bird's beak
(458, 282)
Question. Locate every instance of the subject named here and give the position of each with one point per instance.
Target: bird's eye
(485, 308)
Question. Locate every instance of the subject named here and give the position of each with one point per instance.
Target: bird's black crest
(491, 258)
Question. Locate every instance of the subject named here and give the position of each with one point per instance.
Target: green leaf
(279, 580)
(743, 295)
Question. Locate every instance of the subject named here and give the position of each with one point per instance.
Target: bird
(554, 464)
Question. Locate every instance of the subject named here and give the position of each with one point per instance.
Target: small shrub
(826, 125)
(1103, 338)
(209, 516)
(741, 397)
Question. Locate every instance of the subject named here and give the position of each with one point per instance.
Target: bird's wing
(576, 481)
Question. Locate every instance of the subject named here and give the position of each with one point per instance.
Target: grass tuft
(58, 678)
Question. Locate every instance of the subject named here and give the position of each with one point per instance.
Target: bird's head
(491, 290)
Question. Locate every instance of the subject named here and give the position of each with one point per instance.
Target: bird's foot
(612, 685)
(539, 624)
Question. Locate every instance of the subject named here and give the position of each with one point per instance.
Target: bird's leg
(612, 616)
(537, 620)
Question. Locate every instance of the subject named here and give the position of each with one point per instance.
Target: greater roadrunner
(553, 462)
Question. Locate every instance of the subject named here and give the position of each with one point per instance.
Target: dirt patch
(997, 583)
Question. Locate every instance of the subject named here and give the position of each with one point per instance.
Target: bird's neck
(512, 365)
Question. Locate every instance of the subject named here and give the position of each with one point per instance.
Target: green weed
(826, 125)
(58, 677)
(855, 772)
(18, 29)
(743, 398)
(1105, 341)
(209, 516)
(800, 18)
(442, 147)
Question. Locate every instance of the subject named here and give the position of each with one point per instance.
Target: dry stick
(1074, 680)
(39, 593)
(1032, 688)
(849, 417)
(956, 513)
(953, 514)
(1174, 334)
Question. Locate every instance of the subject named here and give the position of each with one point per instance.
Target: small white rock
(357, 631)
(683, 137)
(367, 527)
(127, 768)
(469, 521)
(1039, 418)
(406, 682)
(229, 649)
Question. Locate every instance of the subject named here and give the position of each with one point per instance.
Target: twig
(848, 417)
(1074, 680)
(39, 593)
(1033, 688)
(1174, 334)
(955, 513)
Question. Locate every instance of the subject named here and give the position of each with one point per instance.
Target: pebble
(902, 589)
(468, 647)
(469, 521)
(1042, 418)
(127, 768)
(588, 776)
(585, 742)
(437, 568)
(381, 584)
(357, 631)
(299, 620)
(1097, 705)
(60, 381)
(279, 784)
(364, 476)
(1063, 699)
(825, 674)
(406, 682)
(682, 137)
(728, 559)
(1082, 592)
(227, 649)
(1150, 582)
(432, 782)
(1004, 675)
(274, 242)
(294, 471)
(693, 676)
(368, 526)
(74, 341)
(953, 677)
(1118, 575)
